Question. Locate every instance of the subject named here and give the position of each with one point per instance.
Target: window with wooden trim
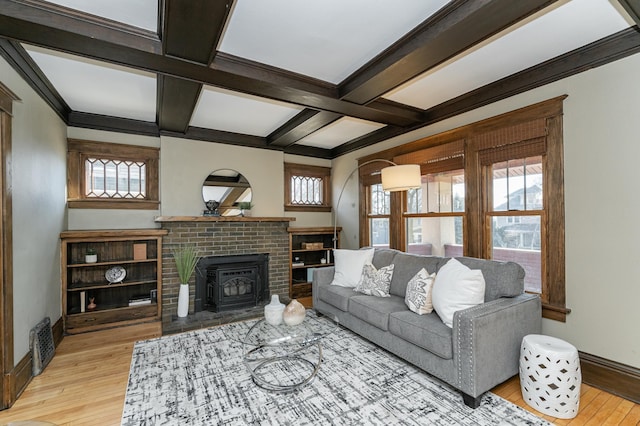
(434, 215)
(106, 175)
(307, 188)
(515, 216)
(378, 214)
(511, 169)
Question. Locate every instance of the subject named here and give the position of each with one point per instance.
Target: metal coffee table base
(282, 373)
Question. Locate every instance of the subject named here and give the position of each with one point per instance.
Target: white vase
(294, 313)
(273, 311)
(183, 301)
(91, 258)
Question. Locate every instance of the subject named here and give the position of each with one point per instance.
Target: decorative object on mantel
(92, 304)
(212, 208)
(294, 313)
(273, 311)
(91, 256)
(245, 208)
(162, 219)
(394, 178)
(186, 258)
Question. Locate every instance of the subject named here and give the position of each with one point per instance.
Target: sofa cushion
(336, 296)
(457, 287)
(407, 265)
(375, 282)
(376, 310)
(349, 264)
(502, 279)
(383, 257)
(426, 331)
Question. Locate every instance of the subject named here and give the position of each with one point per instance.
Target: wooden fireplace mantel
(222, 219)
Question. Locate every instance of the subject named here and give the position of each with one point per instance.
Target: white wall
(39, 180)
(602, 148)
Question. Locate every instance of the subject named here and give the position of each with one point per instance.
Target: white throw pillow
(375, 282)
(418, 296)
(456, 288)
(349, 264)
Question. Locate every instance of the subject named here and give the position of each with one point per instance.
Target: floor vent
(41, 345)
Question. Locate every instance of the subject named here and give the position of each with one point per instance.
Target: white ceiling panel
(139, 13)
(339, 132)
(549, 34)
(98, 87)
(328, 39)
(236, 112)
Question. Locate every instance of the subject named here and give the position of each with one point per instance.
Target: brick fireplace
(222, 236)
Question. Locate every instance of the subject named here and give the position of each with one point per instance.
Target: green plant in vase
(245, 208)
(91, 256)
(186, 258)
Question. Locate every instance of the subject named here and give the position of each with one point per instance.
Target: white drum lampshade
(401, 177)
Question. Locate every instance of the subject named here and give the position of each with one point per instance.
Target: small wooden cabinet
(309, 248)
(135, 255)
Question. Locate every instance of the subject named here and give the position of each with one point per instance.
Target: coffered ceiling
(316, 78)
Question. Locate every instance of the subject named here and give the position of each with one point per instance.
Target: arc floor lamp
(396, 177)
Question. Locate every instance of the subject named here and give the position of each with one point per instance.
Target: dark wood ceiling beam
(601, 52)
(300, 126)
(176, 100)
(193, 28)
(263, 72)
(58, 39)
(20, 61)
(633, 9)
(112, 124)
(191, 31)
(457, 27)
(66, 19)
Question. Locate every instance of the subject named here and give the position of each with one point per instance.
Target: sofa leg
(470, 401)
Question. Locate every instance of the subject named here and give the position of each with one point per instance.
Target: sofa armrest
(321, 277)
(487, 338)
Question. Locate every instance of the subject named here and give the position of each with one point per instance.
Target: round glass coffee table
(283, 358)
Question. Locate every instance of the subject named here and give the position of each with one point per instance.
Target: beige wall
(184, 164)
(602, 148)
(39, 179)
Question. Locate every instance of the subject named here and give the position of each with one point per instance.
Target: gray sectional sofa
(478, 353)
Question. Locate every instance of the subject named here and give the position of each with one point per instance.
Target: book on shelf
(83, 301)
(297, 264)
(140, 301)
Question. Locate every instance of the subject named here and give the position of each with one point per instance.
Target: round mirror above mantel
(223, 191)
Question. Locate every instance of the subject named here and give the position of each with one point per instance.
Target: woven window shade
(512, 134)
(441, 158)
(524, 149)
(370, 174)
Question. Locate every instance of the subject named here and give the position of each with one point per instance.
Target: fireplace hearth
(226, 283)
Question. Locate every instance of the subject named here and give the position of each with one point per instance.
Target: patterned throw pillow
(375, 282)
(418, 296)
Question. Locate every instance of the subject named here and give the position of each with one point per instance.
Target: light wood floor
(86, 381)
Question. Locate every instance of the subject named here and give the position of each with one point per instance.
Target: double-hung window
(491, 189)
(434, 213)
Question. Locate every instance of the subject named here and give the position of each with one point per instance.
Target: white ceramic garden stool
(550, 375)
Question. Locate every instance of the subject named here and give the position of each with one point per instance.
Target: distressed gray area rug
(198, 378)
